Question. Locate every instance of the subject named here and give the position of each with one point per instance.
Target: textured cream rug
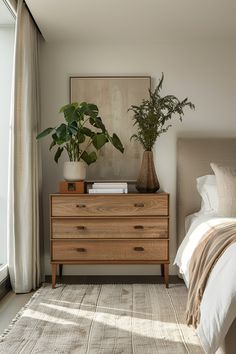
(103, 319)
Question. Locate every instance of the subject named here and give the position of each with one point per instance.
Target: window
(7, 23)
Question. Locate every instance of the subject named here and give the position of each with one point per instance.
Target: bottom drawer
(110, 250)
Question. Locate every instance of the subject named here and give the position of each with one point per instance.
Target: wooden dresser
(121, 229)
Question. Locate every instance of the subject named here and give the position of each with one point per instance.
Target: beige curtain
(25, 181)
(12, 5)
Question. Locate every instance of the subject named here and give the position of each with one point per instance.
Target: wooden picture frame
(113, 95)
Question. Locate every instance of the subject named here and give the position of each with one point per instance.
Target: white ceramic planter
(74, 171)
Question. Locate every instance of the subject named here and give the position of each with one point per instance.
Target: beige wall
(203, 71)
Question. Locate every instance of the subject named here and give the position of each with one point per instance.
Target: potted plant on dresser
(150, 118)
(81, 136)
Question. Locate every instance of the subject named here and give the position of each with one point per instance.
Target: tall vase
(147, 181)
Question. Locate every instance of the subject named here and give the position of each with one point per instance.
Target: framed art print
(114, 95)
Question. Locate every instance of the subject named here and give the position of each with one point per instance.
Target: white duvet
(218, 305)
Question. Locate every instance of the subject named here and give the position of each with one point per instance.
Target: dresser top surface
(109, 194)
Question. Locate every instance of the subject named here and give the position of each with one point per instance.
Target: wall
(6, 65)
(203, 71)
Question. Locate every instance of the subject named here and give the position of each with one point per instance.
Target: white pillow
(206, 186)
(226, 186)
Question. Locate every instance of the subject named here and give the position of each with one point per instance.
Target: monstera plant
(81, 136)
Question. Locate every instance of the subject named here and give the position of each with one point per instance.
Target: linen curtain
(12, 5)
(25, 175)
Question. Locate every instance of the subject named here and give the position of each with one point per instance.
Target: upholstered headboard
(193, 160)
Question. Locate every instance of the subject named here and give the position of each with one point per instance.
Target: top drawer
(110, 205)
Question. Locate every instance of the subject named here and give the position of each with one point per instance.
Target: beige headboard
(193, 160)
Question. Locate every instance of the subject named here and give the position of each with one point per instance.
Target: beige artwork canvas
(113, 96)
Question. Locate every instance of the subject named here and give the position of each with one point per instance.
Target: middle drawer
(110, 228)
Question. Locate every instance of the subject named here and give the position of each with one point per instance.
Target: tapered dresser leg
(166, 275)
(54, 275)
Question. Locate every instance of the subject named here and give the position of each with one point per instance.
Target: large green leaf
(73, 128)
(80, 137)
(89, 158)
(64, 108)
(63, 134)
(93, 107)
(99, 140)
(97, 123)
(71, 112)
(115, 140)
(88, 132)
(57, 140)
(83, 109)
(93, 156)
(44, 133)
(92, 110)
(58, 154)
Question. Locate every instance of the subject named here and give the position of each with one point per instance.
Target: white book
(125, 189)
(106, 190)
(110, 185)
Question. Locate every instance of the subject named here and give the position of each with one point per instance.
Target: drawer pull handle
(139, 227)
(80, 205)
(81, 227)
(81, 249)
(139, 249)
(139, 205)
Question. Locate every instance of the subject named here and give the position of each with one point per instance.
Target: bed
(217, 327)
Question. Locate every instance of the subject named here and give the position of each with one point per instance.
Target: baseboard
(116, 279)
(5, 287)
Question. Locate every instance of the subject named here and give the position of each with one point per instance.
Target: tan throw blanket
(205, 256)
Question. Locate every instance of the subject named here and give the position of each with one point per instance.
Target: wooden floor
(10, 305)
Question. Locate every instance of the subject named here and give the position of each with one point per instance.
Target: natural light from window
(7, 23)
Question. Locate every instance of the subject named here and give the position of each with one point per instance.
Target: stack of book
(109, 187)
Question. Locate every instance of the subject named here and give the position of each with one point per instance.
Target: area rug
(103, 319)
